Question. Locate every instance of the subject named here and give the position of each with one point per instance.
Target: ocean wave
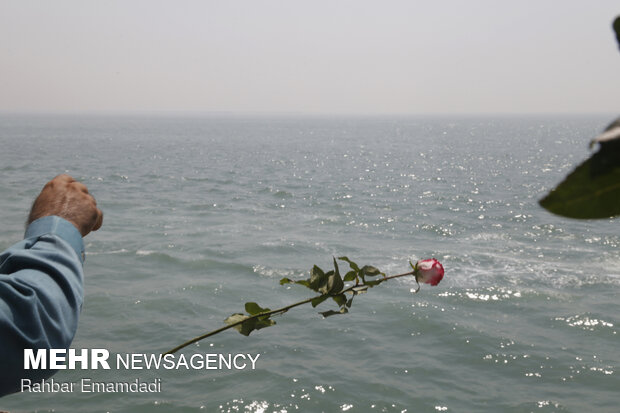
(488, 236)
(485, 294)
(120, 251)
(586, 322)
(277, 272)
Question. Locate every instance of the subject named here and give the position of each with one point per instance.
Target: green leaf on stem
(244, 328)
(336, 269)
(334, 283)
(359, 290)
(250, 324)
(350, 276)
(340, 299)
(318, 300)
(235, 318)
(253, 308)
(305, 283)
(317, 278)
(353, 265)
(285, 280)
(329, 313)
(375, 282)
(263, 322)
(371, 271)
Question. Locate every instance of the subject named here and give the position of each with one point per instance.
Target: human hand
(65, 197)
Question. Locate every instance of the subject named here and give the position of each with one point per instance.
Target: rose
(428, 271)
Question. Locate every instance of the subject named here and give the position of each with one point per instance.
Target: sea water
(205, 213)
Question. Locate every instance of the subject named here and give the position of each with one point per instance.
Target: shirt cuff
(60, 227)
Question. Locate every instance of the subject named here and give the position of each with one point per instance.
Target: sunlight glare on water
(205, 214)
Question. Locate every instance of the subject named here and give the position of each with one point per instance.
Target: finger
(99, 220)
(64, 178)
(80, 187)
(59, 182)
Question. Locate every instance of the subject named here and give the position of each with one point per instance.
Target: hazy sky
(316, 56)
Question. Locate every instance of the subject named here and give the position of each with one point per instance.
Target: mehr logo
(59, 359)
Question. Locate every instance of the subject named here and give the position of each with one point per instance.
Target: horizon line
(292, 114)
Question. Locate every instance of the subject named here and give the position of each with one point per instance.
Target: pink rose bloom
(429, 271)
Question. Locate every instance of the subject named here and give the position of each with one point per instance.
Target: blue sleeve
(41, 294)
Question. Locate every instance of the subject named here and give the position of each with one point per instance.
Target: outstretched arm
(41, 278)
